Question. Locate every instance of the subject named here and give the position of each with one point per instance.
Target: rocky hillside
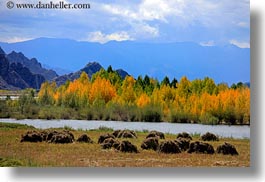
(91, 68)
(32, 64)
(14, 76)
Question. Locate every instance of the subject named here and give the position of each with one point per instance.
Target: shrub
(207, 118)
(179, 117)
(151, 114)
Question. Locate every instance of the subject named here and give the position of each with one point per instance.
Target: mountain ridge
(14, 76)
(228, 64)
(32, 64)
(90, 69)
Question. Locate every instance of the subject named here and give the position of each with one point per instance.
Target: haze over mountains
(228, 64)
(19, 72)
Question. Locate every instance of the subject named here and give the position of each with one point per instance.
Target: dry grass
(91, 155)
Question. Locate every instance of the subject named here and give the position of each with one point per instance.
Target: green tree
(174, 83)
(165, 81)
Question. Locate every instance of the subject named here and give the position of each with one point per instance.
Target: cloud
(240, 44)
(209, 43)
(16, 39)
(140, 20)
(98, 36)
(243, 24)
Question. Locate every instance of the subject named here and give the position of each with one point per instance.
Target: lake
(173, 128)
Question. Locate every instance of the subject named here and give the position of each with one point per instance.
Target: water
(173, 128)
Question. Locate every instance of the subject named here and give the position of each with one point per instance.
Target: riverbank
(15, 153)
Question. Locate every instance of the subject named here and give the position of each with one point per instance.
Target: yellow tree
(46, 93)
(102, 89)
(128, 95)
(242, 105)
(143, 100)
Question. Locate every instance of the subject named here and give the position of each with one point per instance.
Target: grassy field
(15, 153)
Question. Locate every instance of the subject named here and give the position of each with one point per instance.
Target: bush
(179, 117)
(207, 118)
(151, 114)
(48, 113)
(105, 129)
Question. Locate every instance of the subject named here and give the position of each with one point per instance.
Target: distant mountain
(228, 63)
(91, 68)
(59, 71)
(122, 73)
(14, 76)
(32, 64)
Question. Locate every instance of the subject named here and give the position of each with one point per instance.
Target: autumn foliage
(146, 99)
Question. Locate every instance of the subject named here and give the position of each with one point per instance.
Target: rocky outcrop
(122, 73)
(90, 69)
(32, 64)
(16, 76)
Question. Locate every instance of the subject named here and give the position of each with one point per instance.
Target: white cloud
(100, 37)
(240, 44)
(147, 10)
(144, 30)
(15, 39)
(209, 43)
(141, 20)
(243, 24)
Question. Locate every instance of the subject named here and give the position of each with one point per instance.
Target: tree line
(106, 96)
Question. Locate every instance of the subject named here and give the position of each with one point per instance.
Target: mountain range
(19, 72)
(14, 76)
(90, 69)
(228, 63)
(32, 64)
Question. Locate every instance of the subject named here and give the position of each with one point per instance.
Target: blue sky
(207, 22)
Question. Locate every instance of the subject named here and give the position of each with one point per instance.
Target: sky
(206, 22)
